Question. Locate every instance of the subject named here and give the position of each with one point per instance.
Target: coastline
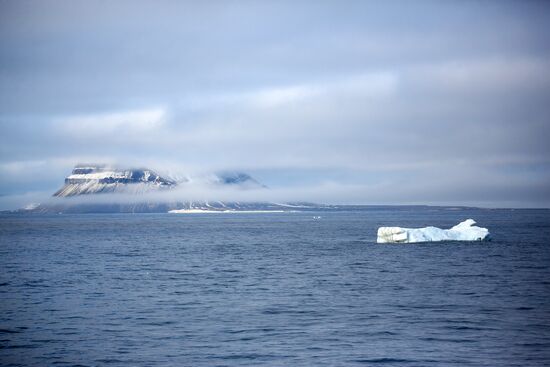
(201, 211)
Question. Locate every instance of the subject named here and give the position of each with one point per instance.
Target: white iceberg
(464, 231)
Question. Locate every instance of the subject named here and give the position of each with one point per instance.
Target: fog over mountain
(101, 188)
(359, 102)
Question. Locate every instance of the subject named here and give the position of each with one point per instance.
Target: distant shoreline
(200, 211)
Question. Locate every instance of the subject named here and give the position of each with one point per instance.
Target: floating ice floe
(464, 231)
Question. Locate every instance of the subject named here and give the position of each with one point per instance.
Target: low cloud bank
(473, 194)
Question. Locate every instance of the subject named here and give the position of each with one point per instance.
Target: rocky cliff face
(94, 179)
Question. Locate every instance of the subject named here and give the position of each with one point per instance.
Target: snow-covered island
(199, 211)
(99, 188)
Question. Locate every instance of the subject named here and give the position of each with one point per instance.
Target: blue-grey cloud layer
(424, 102)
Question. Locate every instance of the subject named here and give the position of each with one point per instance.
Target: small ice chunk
(464, 231)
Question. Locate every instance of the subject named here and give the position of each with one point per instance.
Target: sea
(273, 289)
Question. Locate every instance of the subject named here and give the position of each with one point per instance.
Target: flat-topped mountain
(97, 188)
(94, 179)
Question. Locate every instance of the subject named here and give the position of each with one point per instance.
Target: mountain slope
(85, 189)
(94, 179)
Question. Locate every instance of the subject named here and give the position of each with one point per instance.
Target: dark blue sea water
(273, 290)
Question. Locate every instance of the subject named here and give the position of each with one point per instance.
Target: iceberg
(464, 231)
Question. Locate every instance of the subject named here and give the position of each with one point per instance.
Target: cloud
(404, 191)
(373, 84)
(496, 75)
(26, 200)
(361, 96)
(126, 122)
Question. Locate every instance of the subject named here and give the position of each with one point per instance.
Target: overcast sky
(444, 102)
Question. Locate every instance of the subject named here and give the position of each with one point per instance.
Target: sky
(343, 102)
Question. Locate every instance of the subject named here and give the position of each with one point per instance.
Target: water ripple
(272, 291)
